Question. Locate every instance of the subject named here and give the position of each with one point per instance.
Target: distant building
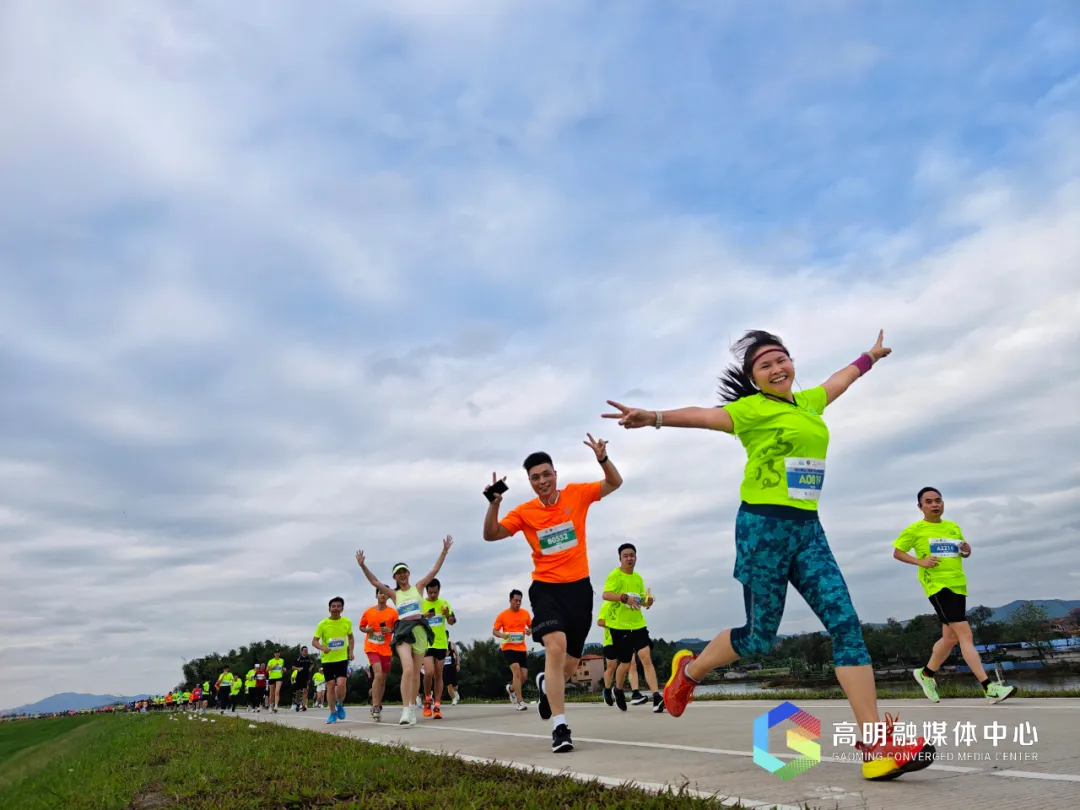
(589, 674)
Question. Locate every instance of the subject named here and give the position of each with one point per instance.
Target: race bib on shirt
(377, 638)
(406, 610)
(448, 661)
(944, 548)
(435, 621)
(557, 538)
(516, 638)
(336, 644)
(805, 477)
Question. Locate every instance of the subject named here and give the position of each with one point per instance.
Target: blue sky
(278, 285)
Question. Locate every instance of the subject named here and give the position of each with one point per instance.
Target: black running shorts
(336, 669)
(949, 606)
(449, 675)
(609, 652)
(628, 642)
(519, 657)
(565, 607)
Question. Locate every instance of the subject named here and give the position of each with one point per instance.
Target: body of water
(1042, 681)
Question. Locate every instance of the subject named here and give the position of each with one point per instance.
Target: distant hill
(70, 702)
(1055, 607)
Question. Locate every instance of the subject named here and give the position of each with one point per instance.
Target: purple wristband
(863, 363)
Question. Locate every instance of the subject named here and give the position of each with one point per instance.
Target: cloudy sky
(278, 285)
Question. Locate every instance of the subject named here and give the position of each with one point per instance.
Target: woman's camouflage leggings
(772, 551)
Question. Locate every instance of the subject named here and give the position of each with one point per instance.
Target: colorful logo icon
(801, 738)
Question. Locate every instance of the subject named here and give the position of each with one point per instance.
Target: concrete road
(1034, 764)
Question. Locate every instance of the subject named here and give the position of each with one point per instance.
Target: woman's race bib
(408, 610)
(805, 477)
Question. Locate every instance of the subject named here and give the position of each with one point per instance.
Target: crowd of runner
(778, 537)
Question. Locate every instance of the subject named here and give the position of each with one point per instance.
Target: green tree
(979, 617)
(1031, 623)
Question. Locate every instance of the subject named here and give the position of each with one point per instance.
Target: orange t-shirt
(510, 622)
(373, 617)
(556, 533)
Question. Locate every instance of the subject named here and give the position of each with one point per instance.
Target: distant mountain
(695, 645)
(70, 702)
(1056, 608)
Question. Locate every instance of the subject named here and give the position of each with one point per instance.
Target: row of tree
(483, 672)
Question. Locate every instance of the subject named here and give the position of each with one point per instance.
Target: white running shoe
(510, 693)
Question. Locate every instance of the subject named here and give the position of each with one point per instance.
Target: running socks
(985, 684)
(558, 720)
(929, 673)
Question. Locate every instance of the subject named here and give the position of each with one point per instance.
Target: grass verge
(151, 762)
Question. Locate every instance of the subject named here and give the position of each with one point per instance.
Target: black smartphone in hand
(498, 487)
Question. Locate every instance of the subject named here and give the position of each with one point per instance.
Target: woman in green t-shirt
(412, 635)
(778, 537)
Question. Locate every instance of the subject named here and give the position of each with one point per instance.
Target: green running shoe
(997, 692)
(929, 685)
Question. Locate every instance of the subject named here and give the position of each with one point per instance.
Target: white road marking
(1053, 777)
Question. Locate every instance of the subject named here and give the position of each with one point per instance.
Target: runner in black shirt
(302, 668)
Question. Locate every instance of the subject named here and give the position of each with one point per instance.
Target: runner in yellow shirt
(276, 671)
(939, 550)
(625, 588)
(439, 614)
(334, 639)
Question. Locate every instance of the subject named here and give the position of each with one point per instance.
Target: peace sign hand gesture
(598, 446)
(630, 417)
(879, 351)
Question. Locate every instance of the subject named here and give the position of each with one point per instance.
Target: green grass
(20, 736)
(149, 762)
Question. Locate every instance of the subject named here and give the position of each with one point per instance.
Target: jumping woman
(778, 537)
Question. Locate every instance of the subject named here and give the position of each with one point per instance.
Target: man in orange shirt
(377, 624)
(561, 594)
(512, 625)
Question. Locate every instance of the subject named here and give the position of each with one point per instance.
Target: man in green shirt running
(939, 551)
(439, 614)
(629, 635)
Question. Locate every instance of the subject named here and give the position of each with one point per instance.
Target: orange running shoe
(679, 690)
(437, 712)
(427, 707)
(892, 758)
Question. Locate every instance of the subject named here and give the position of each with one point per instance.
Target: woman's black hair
(737, 381)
